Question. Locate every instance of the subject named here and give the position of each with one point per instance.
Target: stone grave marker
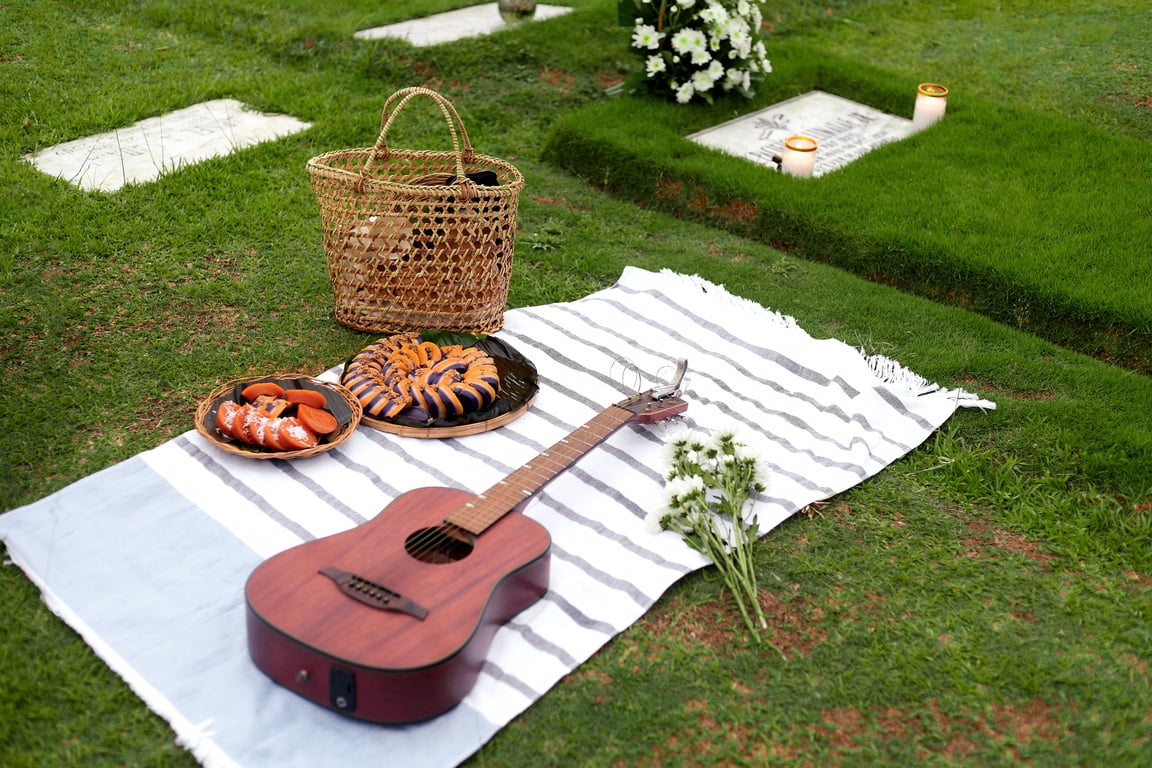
(844, 130)
(453, 25)
(143, 151)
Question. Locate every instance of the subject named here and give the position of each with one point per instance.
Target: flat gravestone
(843, 129)
(453, 25)
(143, 151)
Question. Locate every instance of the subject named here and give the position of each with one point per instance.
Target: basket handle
(461, 146)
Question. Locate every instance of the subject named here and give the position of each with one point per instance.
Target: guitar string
(482, 511)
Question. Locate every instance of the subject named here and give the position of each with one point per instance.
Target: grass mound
(1030, 219)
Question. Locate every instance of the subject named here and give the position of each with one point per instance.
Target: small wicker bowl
(341, 404)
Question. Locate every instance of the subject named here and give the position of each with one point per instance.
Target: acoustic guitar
(390, 622)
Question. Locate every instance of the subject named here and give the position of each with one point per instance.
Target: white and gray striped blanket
(147, 559)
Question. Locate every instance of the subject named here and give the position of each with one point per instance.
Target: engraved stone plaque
(453, 25)
(844, 130)
(143, 151)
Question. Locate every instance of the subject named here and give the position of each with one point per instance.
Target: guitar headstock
(659, 402)
(645, 409)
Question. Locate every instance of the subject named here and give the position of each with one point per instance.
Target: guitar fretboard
(484, 510)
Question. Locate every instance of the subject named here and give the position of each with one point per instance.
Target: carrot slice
(319, 421)
(253, 391)
(306, 396)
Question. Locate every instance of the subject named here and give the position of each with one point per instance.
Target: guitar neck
(487, 508)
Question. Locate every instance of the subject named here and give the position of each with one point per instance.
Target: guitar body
(415, 652)
(390, 622)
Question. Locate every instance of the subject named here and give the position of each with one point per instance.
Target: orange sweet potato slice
(253, 391)
(272, 435)
(294, 436)
(226, 415)
(255, 420)
(306, 397)
(318, 420)
(239, 422)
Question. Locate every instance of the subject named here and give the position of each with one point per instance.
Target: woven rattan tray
(519, 384)
(340, 403)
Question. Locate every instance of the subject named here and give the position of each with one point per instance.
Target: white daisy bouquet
(694, 48)
(710, 488)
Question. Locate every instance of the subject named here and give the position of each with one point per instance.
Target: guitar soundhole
(438, 545)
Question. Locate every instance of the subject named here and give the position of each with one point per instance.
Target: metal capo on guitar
(673, 385)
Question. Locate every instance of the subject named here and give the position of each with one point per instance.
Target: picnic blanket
(147, 559)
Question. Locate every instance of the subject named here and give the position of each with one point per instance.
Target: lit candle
(931, 101)
(799, 156)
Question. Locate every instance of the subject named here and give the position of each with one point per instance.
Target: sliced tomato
(316, 419)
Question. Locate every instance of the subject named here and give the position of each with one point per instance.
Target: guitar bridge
(372, 594)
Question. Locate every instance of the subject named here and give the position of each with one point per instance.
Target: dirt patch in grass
(707, 624)
(602, 681)
(161, 416)
(988, 539)
(1139, 667)
(668, 189)
(737, 211)
(608, 79)
(554, 78)
(989, 389)
(1004, 727)
(794, 623)
(1138, 581)
(845, 732)
(559, 201)
(710, 741)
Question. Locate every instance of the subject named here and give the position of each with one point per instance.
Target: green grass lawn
(1035, 220)
(985, 601)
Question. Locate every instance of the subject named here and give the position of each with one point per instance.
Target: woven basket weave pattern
(411, 243)
(347, 410)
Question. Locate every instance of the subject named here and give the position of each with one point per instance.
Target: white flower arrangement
(710, 489)
(694, 48)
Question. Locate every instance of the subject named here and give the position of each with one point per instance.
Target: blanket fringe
(885, 369)
(889, 371)
(706, 286)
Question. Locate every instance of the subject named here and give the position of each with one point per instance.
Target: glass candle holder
(516, 11)
(799, 156)
(931, 101)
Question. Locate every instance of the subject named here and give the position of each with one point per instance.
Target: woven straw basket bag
(418, 240)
